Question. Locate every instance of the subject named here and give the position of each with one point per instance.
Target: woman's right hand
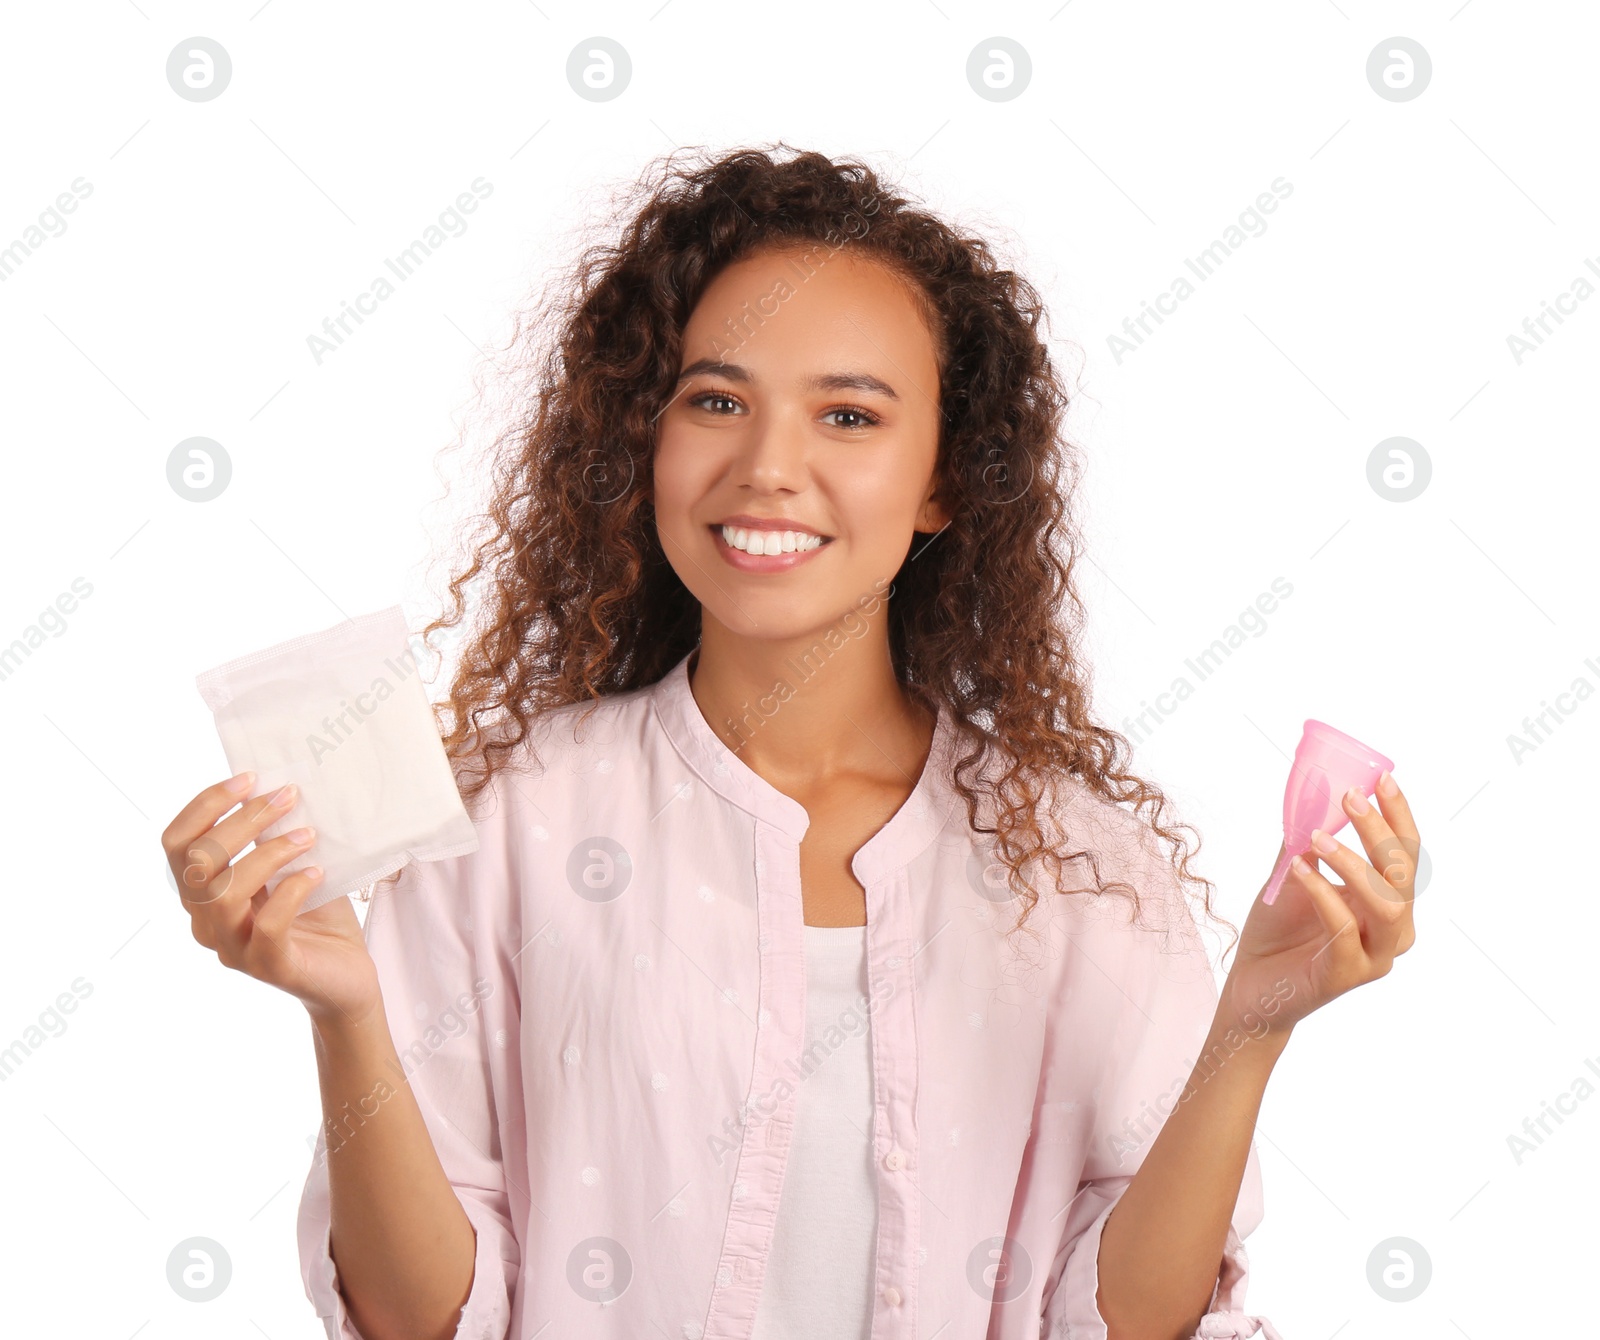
(320, 958)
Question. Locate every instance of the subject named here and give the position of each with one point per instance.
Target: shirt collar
(911, 828)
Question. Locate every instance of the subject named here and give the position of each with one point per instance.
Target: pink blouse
(601, 1014)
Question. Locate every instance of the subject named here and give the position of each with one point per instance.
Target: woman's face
(808, 404)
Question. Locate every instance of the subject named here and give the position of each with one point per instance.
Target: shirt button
(891, 1296)
(894, 1160)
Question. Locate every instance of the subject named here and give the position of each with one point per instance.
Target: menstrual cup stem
(1278, 872)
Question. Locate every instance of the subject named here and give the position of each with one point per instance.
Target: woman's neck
(797, 712)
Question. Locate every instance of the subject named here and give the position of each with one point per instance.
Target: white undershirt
(818, 1279)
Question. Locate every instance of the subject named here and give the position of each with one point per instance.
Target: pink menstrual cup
(1326, 765)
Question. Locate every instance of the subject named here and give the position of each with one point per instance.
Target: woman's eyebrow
(851, 381)
(825, 381)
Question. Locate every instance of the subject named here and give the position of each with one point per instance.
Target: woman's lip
(737, 558)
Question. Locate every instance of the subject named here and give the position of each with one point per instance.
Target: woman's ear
(931, 516)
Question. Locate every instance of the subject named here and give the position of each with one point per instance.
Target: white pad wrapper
(344, 715)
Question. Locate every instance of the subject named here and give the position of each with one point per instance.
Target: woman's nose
(774, 452)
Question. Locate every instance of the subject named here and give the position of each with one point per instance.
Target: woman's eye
(721, 405)
(706, 398)
(861, 417)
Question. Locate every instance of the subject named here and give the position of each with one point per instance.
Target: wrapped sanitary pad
(344, 715)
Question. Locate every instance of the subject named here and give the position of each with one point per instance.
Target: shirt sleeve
(445, 1003)
(1138, 998)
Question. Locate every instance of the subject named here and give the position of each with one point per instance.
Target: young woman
(819, 972)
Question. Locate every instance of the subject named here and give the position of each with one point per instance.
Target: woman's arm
(1161, 1247)
(403, 1246)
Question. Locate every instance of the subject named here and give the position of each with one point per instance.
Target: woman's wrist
(1255, 1031)
(338, 1030)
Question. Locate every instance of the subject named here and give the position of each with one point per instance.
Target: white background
(1231, 449)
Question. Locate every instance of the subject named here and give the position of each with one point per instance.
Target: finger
(203, 873)
(283, 905)
(232, 915)
(1380, 908)
(273, 936)
(1344, 933)
(1396, 809)
(251, 819)
(1396, 861)
(205, 877)
(200, 814)
(1325, 901)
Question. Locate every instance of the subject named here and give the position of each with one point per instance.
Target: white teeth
(770, 541)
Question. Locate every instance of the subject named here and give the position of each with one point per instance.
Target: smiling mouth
(769, 543)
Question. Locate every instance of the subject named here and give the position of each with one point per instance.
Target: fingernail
(1323, 843)
(1300, 866)
(283, 794)
(313, 873)
(242, 783)
(301, 836)
(1386, 787)
(1358, 802)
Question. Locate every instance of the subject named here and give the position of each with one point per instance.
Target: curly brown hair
(581, 601)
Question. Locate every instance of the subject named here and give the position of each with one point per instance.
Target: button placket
(895, 1083)
(780, 1032)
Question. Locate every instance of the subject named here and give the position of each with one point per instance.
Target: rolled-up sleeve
(1072, 1312)
(1138, 1001)
(445, 1002)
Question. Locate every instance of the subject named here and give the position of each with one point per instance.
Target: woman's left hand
(1319, 939)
